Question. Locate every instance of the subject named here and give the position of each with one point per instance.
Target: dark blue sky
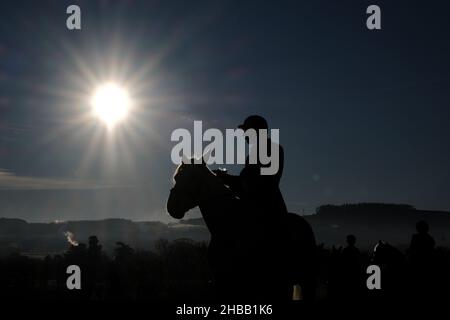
(363, 115)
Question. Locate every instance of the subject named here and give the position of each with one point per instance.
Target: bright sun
(110, 103)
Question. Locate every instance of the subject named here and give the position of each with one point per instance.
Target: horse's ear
(206, 156)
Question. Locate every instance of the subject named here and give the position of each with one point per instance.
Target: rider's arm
(232, 181)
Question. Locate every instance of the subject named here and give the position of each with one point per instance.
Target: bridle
(194, 195)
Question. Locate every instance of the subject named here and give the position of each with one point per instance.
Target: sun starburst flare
(110, 103)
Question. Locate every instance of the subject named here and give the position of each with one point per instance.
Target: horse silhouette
(392, 263)
(243, 263)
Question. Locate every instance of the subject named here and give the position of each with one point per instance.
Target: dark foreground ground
(178, 271)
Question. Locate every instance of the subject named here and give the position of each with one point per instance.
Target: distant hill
(17, 235)
(370, 222)
(377, 211)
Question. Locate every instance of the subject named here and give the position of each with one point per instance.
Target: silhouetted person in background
(422, 243)
(94, 265)
(423, 266)
(351, 253)
(351, 270)
(348, 274)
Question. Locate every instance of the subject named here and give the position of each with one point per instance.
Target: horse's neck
(213, 187)
(213, 192)
(216, 202)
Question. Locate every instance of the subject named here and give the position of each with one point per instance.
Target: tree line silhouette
(364, 209)
(178, 270)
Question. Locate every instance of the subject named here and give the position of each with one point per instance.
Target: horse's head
(186, 193)
(384, 253)
(379, 252)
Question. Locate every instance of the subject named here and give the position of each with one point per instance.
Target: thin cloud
(10, 181)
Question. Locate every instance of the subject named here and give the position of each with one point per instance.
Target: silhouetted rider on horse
(257, 250)
(264, 206)
(260, 193)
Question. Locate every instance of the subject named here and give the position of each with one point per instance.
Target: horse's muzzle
(175, 207)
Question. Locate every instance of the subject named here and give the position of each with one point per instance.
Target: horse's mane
(182, 165)
(177, 170)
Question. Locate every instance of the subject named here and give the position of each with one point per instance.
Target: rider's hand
(220, 172)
